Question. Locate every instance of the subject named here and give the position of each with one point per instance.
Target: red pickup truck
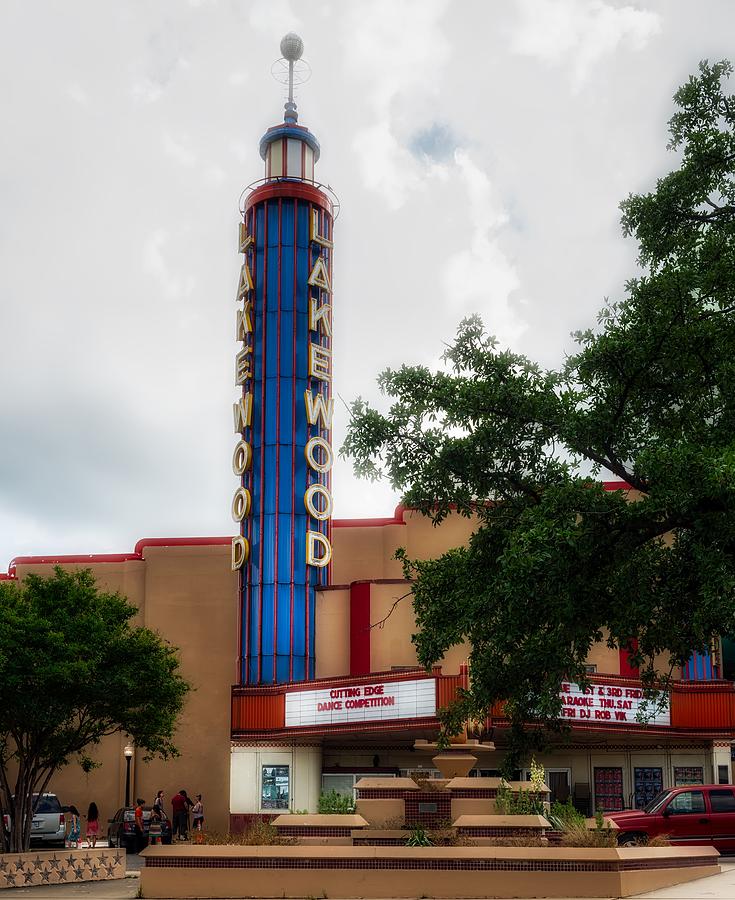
(691, 814)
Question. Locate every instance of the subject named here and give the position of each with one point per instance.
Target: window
(722, 801)
(345, 783)
(274, 788)
(421, 773)
(648, 782)
(590, 668)
(687, 802)
(688, 775)
(723, 774)
(293, 158)
(608, 788)
(48, 803)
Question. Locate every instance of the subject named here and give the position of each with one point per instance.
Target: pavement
(716, 887)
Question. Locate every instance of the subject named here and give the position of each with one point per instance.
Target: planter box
(442, 872)
(501, 826)
(62, 866)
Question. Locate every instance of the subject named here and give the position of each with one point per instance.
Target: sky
(479, 150)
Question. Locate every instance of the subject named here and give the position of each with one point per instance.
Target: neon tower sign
(283, 414)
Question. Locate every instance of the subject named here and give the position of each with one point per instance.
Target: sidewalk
(716, 887)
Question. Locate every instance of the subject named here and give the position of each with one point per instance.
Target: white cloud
(579, 33)
(392, 47)
(179, 150)
(77, 93)
(273, 17)
(173, 284)
(480, 277)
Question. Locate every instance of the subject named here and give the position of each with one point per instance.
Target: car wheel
(632, 839)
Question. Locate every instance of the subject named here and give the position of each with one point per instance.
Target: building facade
(296, 632)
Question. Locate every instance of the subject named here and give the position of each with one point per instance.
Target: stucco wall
(188, 594)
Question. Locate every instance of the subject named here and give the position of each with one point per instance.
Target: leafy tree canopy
(73, 669)
(558, 563)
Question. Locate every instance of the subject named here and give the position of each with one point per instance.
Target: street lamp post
(128, 751)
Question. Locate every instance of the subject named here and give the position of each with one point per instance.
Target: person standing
(155, 825)
(158, 802)
(180, 809)
(93, 825)
(197, 814)
(139, 825)
(75, 832)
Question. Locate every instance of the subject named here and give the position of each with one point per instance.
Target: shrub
(446, 836)
(419, 837)
(426, 782)
(562, 814)
(260, 833)
(524, 803)
(333, 802)
(579, 835)
(518, 841)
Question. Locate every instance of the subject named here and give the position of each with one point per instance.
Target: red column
(359, 627)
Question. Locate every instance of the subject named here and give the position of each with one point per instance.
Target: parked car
(697, 814)
(121, 828)
(48, 825)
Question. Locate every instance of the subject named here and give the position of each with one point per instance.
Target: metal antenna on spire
(292, 70)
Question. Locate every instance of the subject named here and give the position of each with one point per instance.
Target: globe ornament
(292, 47)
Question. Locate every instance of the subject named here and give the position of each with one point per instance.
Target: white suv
(48, 825)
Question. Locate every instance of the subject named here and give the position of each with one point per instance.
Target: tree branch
(381, 622)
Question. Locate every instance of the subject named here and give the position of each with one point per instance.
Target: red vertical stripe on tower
(278, 445)
(293, 427)
(307, 577)
(261, 511)
(359, 627)
(245, 581)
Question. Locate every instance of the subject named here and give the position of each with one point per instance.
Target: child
(75, 832)
(93, 824)
(155, 826)
(197, 814)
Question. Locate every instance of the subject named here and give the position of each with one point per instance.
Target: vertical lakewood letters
(318, 404)
(242, 409)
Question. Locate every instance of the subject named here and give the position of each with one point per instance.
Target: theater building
(292, 631)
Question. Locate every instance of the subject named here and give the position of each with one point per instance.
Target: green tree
(73, 669)
(557, 563)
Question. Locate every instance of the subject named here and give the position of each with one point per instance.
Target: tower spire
(292, 70)
(292, 48)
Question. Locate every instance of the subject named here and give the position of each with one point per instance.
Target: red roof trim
(289, 189)
(92, 558)
(371, 523)
(180, 542)
(617, 486)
